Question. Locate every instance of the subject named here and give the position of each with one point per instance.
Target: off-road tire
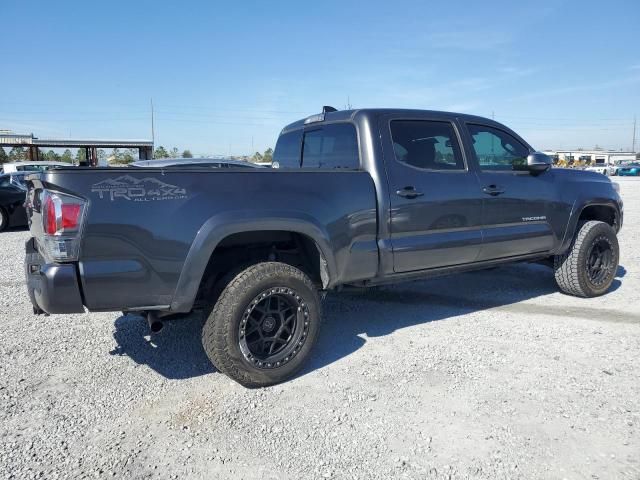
(4, 220)
(221, 336)
(571, 268)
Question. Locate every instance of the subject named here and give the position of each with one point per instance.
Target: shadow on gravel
(349, 316)
(22, 228)
(621, 272)
(176, 352)
(378, 311)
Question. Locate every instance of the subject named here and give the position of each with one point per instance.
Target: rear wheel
(588, 268)
(264, 325)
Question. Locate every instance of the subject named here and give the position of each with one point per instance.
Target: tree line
(18, 154)
(117, 156)
(266, 157)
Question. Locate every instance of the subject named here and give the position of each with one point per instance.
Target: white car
(603, 169)
(613, 168)
(31, 166)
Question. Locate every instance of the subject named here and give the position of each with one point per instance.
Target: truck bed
(148, 232)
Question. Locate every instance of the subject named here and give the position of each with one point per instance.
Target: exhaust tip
(156, 327)
(155, 324)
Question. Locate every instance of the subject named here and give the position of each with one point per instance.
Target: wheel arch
(604, 211)
(231, 229)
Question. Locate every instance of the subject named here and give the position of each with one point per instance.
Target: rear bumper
(53, 288)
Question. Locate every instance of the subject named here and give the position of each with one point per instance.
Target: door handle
(493, 190)
(409, 192)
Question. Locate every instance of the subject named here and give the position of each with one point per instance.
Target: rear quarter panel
(143, 224)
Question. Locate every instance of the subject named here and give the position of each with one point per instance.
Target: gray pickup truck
(360, 198)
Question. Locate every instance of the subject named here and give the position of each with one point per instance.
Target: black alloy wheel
(273, 327)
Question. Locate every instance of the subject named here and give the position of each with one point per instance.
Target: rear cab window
(287, 151)
(323, 146)
(331, 146)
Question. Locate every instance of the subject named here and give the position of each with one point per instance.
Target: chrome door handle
(409, 192)
(493, 190)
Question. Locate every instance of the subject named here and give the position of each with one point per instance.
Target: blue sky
(228, 75)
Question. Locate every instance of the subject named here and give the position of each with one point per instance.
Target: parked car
(603, 169)
(31, 166)
(361, 198)
(194, 163)
(629, 170)
(12, 196)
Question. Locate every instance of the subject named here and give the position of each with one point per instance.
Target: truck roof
(350, 115)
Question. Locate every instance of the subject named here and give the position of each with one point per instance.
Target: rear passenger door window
(428, 145)
(497, 150)
(331, 146)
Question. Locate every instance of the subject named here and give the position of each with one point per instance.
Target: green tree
(81, 156)
(102, 155)
(174, 153)
(256, 157)
(128, 156)
(67, 156)
(50, 156)
(116, 156)
(187, 154)
(17, 153)
(267, 156)
(4, 158)
(160, 153)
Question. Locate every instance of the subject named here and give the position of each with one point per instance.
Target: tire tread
(568, 268)
(219, 323)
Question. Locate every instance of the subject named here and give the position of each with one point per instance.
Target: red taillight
(70, 216)
(49, 216)
(62, 213)
(62, 216)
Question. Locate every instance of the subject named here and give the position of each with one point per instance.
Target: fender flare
(220, 226)
(576, 212)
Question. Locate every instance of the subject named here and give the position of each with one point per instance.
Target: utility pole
(153, 130)
(633, 142)
(493, 117)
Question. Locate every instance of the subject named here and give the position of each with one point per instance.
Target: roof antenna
(328, 109)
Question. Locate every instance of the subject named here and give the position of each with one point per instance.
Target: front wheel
(588, 268)
(264, 324)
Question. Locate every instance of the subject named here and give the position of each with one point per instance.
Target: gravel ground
(483, 375)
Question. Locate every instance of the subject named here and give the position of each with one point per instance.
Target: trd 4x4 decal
(138, 190)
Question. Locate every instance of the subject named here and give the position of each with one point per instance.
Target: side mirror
(538, 162)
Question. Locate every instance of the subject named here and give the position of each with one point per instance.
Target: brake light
(49, 217)
(61, 221)
(70, 214)
(61, 213)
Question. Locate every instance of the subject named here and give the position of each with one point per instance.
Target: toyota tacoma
(359, 198)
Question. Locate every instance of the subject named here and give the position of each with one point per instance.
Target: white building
(593, 157)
